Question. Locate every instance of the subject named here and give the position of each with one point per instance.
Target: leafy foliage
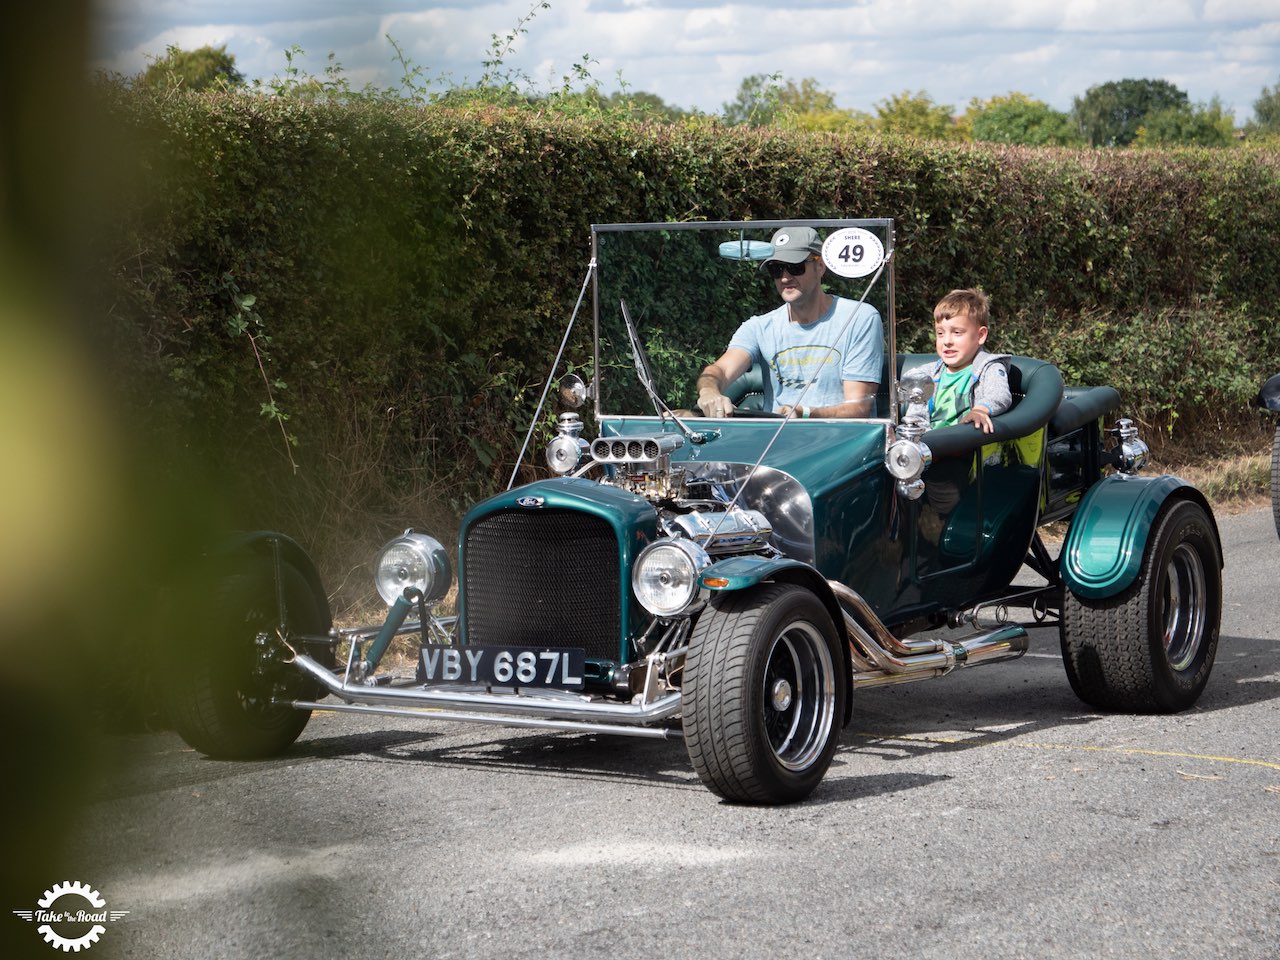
(1110, 114)
(915, 115)
(205, 68)
(1266, 113)
(758, 101)
(1205, 126)
(1019, 119)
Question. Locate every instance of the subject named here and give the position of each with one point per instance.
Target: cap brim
(791, 256)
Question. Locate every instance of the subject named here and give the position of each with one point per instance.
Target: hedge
(407, 271)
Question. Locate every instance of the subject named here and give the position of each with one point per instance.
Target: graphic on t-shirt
(796, 366)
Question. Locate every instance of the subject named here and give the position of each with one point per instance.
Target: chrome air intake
(638, 450)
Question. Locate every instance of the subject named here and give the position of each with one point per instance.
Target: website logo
(71, 916)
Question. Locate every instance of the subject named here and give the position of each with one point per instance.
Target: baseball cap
(794, 244)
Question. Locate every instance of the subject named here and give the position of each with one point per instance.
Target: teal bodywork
(861, 532)
(838, 471)
(739, 573)
(1104, 548)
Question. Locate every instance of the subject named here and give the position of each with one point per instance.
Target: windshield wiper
(645, 374)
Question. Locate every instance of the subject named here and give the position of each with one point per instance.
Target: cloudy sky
(695, 53)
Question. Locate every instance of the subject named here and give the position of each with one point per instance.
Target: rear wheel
(763, 694)
(229, 689)
(1151, 648)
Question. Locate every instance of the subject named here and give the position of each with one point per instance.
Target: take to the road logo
(71, 916)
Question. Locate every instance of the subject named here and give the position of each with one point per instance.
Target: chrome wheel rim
(798, 695)
(1184, 607)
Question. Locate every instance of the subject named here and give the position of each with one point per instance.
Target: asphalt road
(985, 815)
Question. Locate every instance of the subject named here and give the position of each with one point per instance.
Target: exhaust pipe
(880, 658)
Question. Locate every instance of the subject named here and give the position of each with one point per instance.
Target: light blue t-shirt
(837, 349)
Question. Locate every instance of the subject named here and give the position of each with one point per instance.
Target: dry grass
(1233, 469)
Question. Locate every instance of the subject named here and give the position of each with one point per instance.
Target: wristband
(804, 412)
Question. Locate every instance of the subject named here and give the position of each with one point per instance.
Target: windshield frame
(877, 224)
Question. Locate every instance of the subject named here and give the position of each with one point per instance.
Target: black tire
(1275, 481)
(763, 695)
(1151, 648)
(224, 695)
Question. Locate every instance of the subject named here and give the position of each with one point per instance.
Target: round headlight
(665, 578)
(412, 560)
(565, 453)
(907, 459)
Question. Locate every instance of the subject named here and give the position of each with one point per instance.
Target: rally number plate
(504, 666)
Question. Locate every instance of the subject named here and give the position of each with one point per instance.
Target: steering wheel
(756, 414)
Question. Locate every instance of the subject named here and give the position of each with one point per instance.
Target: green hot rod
(733, 582)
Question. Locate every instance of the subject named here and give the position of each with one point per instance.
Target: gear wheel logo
(72, 916)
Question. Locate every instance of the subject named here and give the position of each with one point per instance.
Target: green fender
(1103, 552)
(740, 573)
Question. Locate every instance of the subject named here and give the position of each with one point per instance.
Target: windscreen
(687, 288)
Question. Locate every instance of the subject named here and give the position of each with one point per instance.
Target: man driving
(812, 332)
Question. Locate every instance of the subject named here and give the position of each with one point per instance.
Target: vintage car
(1269, 399)
(733, 582)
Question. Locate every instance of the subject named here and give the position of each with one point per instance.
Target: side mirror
(915, 389)
(573, 392)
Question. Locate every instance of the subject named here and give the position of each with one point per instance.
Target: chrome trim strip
(566, 726)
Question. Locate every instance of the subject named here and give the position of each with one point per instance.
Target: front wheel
(1150, 649)
(763, 694)
(229, 686)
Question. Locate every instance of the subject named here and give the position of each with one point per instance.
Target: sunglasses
(775, 268)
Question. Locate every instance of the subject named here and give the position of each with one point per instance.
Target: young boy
(970, 385)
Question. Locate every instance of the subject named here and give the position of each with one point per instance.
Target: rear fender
(264, 543)
(1103, 552)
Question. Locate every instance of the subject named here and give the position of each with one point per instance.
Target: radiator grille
(543, 578)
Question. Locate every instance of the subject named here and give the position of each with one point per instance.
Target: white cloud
(695, 53)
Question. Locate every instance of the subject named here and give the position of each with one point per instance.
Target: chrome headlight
(412, 560)
(907, 459)
(665, 578)
(566, 451)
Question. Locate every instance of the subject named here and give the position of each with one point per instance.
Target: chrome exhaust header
(880, 658)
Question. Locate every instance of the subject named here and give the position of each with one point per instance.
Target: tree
(202, 69)
(808, 107)
(1017, 118)
(640, 105)
(756, 103)
(1110, 114)
(915, 115)
(1202, 125)
(806, 98)
(1266, 113)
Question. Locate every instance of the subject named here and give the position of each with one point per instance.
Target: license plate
(504, 666)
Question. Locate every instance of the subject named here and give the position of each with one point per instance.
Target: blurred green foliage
(204, 68)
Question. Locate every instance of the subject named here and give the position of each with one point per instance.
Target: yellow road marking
(1128, 751)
